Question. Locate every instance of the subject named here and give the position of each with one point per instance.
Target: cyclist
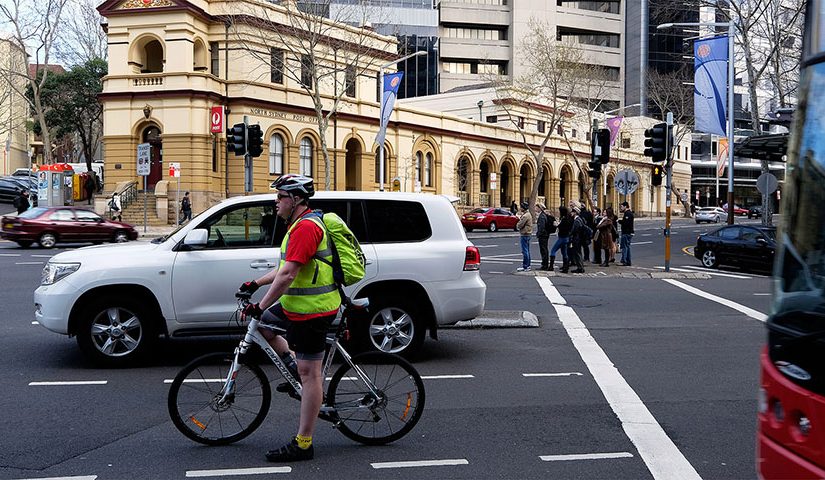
(303, 299)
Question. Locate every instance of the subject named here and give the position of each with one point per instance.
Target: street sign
(626, 182)
(684, 197)
(216, 120)
(493, 176)
(174, 170)
(697, 196)
(144, 159)
(766, 183)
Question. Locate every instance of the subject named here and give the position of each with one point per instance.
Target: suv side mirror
(196, 238)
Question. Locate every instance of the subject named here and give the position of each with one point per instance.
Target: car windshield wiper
(797, 338)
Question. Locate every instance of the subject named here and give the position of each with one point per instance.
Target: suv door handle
(262, 264)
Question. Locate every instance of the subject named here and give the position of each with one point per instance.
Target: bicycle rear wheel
(195, 404)
(373, 420)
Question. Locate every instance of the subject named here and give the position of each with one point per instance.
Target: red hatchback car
(491, 219)
(50, 225)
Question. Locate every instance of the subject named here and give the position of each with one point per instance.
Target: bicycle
(373, 398)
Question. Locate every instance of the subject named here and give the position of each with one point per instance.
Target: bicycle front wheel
(381, 419)
(200, 409)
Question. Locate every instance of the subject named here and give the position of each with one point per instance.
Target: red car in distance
(51, 225)
(491, 219)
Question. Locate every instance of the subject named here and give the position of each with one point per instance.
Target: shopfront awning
(763, 147)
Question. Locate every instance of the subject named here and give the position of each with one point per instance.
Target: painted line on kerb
(585, 456)
(660, 454)
(234, 472)
(61, 384)
(756, 315)
(421, 463)
(562, 374)
(82, 477)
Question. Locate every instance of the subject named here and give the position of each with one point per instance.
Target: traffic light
(656, 176)
(658, 139)
(255, 140)
(601, 146)
(236, 139)
(595, 170)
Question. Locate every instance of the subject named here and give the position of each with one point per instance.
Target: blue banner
(710, 85)
(391, 83)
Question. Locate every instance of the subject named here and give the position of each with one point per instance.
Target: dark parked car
(755, 211)
(491, 219)
(51, 225)
(10, 186)
(743, 245)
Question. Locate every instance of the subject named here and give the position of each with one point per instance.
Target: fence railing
(128, 193)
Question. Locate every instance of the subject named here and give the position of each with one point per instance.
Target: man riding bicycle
(307, 302)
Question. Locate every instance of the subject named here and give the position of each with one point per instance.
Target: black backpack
(551, 224)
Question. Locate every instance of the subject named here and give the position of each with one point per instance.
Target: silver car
(710, 214)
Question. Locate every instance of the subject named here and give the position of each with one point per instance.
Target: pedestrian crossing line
(234, 472)
(710, 270)
(561, 374)
(756, 315)
(421, 463)
(71, 383)
(585, 456)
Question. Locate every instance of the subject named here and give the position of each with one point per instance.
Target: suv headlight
(53, 272)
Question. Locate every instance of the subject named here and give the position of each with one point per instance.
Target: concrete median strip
(501, 319)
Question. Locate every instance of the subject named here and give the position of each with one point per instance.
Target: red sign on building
(216, 119)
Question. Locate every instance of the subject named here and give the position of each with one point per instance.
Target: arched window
(152, 57)
(305, 157)
(200, 57)
(418, 161)
(428, 170)
(276, 153)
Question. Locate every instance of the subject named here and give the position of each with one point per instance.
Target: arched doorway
(463, 180)
(545, 186)
(151, 135)
(610, 192)
(584, 191)
(565, 185)
(505, 197)
(485, 197)
(525, 182)
(353, 164)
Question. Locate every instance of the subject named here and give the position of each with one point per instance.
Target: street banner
(722, 158)
(613, 124)
(710, 84)
(391, 83)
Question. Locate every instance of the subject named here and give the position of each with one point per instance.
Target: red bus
(791, 417)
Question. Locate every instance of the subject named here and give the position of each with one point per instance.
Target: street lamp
(381, 101)
(731, 31)
(480, 104)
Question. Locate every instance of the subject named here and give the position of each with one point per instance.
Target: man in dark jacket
(587, 217)
(21, 201)
(545, 225)
(627, 232)
(577, 239)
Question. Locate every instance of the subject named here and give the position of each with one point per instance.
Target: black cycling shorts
(307, 338)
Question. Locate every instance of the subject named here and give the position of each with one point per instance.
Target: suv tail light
(472, 259)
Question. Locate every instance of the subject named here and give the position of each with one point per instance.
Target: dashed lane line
(9, 254)
(234, 472)
(722, 301)
(71, 383)
(82, 477)
(423, 377)
(29, 263)
(585, 456)
(560, 374)
(421, 463)
(660, 454)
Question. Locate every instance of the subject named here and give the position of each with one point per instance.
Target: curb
(603, 274)
(501, 319)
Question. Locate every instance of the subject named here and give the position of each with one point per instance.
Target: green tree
(72, 107)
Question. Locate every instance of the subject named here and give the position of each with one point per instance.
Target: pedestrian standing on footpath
(587, 217)
(114, 208)
(597, 251)
(545, 225)
(513, 208)
(89, 186)
(185, 208)
(565, 225)
(603, 238)
(578, 236)
(21, 201)
(627, 232)
(525, 228)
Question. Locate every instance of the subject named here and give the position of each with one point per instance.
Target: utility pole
(668, 173)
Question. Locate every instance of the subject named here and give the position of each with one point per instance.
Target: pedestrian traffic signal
(255, 140)
(658, 139)
(656, 176)
(595, 170)
(236, 139)
(601, 146)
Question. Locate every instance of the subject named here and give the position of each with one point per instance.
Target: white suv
(421, 272)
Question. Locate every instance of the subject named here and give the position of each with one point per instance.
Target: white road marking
(41, 256)
(585, 456)
(481, 246)
(445, 377)
(29, 263)
(497, 272)
(198, 380)
(234, 472)
(82, 477)
(639, 243)
(660, 454)
(421, 463)
(60, 384)
(9, 254)
(562, 374)
(35, 323)
(646, 234)
(723, 301)
(709, 272)
(761, 294)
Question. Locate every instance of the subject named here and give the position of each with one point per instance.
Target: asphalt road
(624, 378)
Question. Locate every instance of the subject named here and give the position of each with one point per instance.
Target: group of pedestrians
(578, 229)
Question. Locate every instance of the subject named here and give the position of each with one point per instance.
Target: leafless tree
(14, 113)
(34, 30)
(82, 36)
(321, 46)
(557, 83)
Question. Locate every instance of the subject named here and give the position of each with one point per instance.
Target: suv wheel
(394, 326)
(115, 331)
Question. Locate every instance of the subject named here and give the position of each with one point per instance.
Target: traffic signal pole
(594, 138)
(669, 173)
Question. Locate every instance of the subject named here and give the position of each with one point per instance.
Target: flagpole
(731, 31)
